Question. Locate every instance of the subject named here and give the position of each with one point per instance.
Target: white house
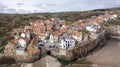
(67, 43)
(92, 28)
(28, 35)
(42, 37)
(77, 36)
(74, 28)
(63, 27)
(114, 16)
(61, 21)
(20, 50)
(22, 43)
(51, 38)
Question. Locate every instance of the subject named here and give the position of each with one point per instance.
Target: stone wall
(86, 48)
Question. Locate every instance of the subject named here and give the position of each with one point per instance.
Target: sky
(41, 6)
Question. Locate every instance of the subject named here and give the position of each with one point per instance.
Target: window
(68, 42)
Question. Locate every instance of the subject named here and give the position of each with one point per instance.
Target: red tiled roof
(63, 30)
(41, 34)
(77, 33)
(14, 42)
(97, 20)
(25, 38)
(57, 33)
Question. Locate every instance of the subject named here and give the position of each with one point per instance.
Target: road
(109, 55)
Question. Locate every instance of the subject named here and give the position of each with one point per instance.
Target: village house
(57, 35)
(114, 16)
(51, 38)
(99, 21)
(91, 28)
(95, 24)
(21, 39)
(67, 43)
(42, 37)
(20, 47)
(77, 35)
(74, 28)
(61, 21)
(22, 43)
(55, 20)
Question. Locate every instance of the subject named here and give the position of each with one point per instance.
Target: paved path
(42, 61)
(52, 62)
(108, 55)
(46, 60)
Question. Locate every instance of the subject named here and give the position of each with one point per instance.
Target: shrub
(85, 31)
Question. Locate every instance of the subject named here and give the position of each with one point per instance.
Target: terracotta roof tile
(15, 42)
(77, 33)
(63, 30)
(25, 38)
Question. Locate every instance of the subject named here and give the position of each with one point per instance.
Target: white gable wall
(22, 43)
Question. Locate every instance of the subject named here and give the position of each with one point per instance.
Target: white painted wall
(78, 38)
(51, 38)
(22, 43)
(28, 35)
(62, 44)
(23, 35)
(67, 43)
(91, 28)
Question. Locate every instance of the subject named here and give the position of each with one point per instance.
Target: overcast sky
(38, 6)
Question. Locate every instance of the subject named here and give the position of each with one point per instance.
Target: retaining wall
(86, 48)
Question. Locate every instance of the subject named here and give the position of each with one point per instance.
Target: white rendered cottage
(114, 16)
(20, 47)
(67, 43)
(51, 38)
(20, 50)
(77, 36)
(92, 28)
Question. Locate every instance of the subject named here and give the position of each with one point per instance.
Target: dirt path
(108, 55)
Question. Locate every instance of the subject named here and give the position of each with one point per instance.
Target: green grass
(85, 31)
(65, 62)
(109, 24)
(68, 22)
(82, 61)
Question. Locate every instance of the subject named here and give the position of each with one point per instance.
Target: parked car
(52, 46)
(41, 43)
